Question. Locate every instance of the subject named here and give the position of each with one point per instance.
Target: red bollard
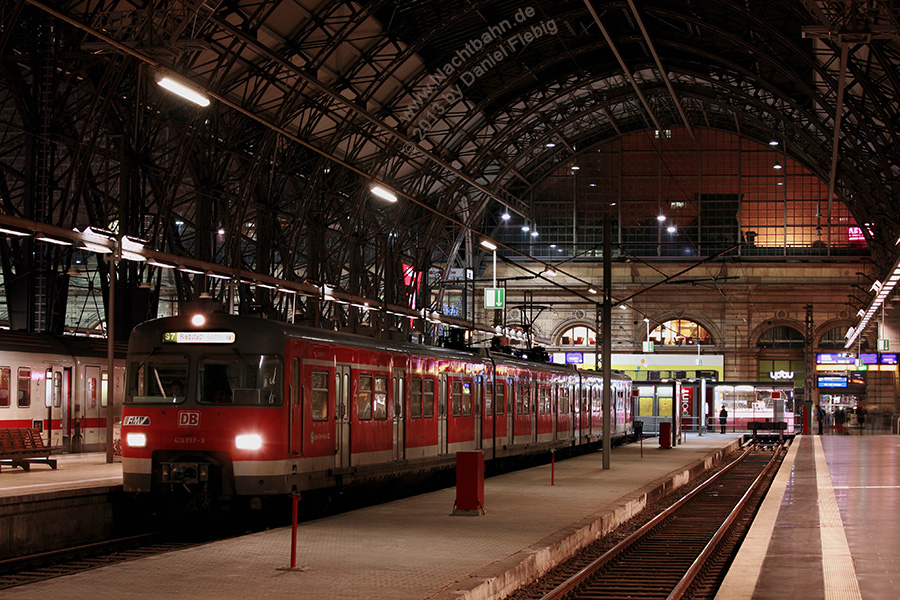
(295, 499)
(642, 444)
(552, 465)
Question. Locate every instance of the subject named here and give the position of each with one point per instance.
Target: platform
(73, 472)
(413, 548)
(829, 527)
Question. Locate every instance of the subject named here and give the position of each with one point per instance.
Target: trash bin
(665, 434)
(638, 429)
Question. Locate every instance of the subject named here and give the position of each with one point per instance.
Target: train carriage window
(5, 375)
(23, 387)
(543, 399)
(57, 389)
(428, 399)
(240, 380)
(48, 388)
(456, 398)
(319, 406)
(501, 397)
(488, 396)
(152, 379)
(415, 393)
(380, 398)
(564, 400)
(364, 398)
(467, 398)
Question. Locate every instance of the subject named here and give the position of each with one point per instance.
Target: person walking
(723, 418)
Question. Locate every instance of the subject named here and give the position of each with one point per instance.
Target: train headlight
(248, 441)
(136, 440)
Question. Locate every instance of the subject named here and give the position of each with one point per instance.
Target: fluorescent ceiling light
(488, 244)
(53, 240)
(183, 90)
(384, 193)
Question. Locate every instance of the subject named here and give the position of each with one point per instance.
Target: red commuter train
(227, 406)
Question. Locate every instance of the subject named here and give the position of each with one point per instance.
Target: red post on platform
(552, 466)
(469, 483)
(665, 434)
(642, 444)
(295, 498)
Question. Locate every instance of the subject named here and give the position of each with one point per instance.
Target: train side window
(456, 398)
(488, 396)
(23, 398)
(467, 398)
(380, 398)
(415, 406)
(5, 375)
(319, 406)
(501, 397)
(428, 398)
(364, 398)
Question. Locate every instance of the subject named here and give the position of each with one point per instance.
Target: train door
(342, 416)
(442, 415)
(295, 410)
(90, 409)
(510, 412)
(399, 410)
(68, 407)
(477, 412)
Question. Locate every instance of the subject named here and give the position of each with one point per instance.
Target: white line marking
(60, 485)
(837, 563)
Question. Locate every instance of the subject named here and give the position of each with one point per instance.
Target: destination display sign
(834, 358)
(198, 337)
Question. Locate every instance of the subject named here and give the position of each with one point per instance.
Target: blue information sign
(574, 358)
(868, 358)
(888, 359)
(832, 381)
(835, 358)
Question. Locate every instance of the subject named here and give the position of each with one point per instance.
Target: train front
(204, 408)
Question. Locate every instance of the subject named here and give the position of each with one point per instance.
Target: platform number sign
(494, 298)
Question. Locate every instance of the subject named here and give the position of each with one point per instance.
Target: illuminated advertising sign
(888, 359)
(832, 381)
(198, 337)
(832, 358)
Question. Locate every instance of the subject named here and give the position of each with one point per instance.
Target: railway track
(681, 553)
(68, 561)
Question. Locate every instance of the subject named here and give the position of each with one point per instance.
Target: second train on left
(224, 406)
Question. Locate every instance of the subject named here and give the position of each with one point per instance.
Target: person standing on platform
(839, 417)
(820, 417)
(723, 418)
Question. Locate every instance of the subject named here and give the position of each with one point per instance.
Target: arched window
(836, 337)
(580, 335)
(781, 336)
(681, 332)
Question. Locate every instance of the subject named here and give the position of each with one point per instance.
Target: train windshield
(155, 379)
(240, 380)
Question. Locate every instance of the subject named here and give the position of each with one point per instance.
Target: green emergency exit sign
(494, 298)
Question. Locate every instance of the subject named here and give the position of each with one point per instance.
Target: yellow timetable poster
(665, 407)
(645, 406)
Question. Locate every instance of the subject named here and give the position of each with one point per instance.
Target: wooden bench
(21, 447)
(777, 426)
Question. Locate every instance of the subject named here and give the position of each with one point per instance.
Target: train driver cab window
(153, 379)
(428, 398)
(5, 376)
(240, 380)
(380, 398)
(319, 407)
(364, 398)
(23, 399)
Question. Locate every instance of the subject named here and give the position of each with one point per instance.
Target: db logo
(189, 418)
